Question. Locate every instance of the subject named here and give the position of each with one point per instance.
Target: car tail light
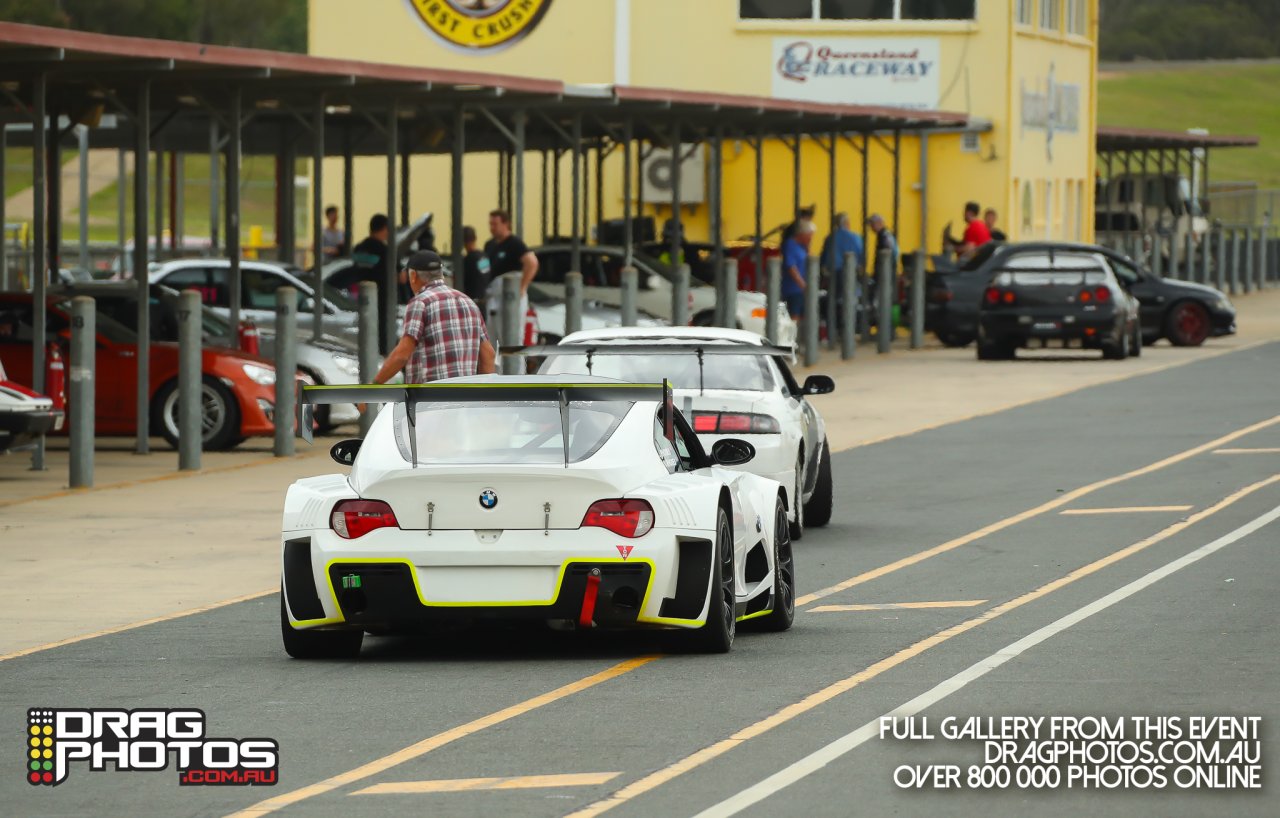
(1008, 297)
(735, 423)
(941, 296)
(991, 295)
(1085, 296)
(626, 518)
(1102, 294)
(352, 519)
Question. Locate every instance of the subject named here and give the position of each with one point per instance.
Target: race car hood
(1192, 288)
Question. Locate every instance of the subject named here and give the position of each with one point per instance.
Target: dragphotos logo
(143, 740)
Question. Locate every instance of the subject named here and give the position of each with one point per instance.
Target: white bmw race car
(583, 502)
(731, 383)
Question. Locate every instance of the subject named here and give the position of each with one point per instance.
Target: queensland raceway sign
(59, 740)
(894, 71)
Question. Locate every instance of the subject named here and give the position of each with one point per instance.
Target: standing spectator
(444, 335)
(795, 265)
(507, 254)
(371, 253)
(837, 247)
(475, 267)
(990, 217)
(885, 242)
(333, 239)
(976, 233)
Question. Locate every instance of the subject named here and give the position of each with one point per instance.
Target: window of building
(970, 142)
(1050, 14)
(1024, 11)
(856, 9)
(1077, 17)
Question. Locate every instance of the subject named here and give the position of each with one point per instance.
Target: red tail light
(626, 518)
(352, 519)
(744, 423)
(1102, 294)
(1085, 296)
(991, 295)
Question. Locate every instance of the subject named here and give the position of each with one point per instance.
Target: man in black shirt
(506, 253)
(475, 267)
(370, 255)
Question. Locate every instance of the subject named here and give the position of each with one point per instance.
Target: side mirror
(732, 452)
(819, 385)
(344, 451)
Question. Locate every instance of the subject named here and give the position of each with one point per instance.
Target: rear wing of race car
(413, 394)
(701, 349)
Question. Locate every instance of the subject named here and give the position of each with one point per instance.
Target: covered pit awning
(1112, 138)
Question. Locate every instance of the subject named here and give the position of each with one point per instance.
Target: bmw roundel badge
(488, 499)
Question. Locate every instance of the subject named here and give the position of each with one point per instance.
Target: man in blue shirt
(838, 245)
(795, 266)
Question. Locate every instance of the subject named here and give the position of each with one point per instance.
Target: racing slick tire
(995, 351)
(220, 414)
(784, 577)
(817, 512)
(1117, 351)
(797, 501)
(716, 636)
(1135, 344)
(336, 644)
(1187, 324)
(955, 340)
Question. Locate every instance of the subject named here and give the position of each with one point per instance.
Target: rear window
(507, 432)
(1052, 270)
(746, 373)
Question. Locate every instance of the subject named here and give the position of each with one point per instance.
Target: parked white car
(730, 383)
(601, 277)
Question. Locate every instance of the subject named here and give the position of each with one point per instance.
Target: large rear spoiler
(691, 346)
(413, 394)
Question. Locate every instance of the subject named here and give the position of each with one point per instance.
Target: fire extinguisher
(56, 378)
(530, 327)
(248, 337)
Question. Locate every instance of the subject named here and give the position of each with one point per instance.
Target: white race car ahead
(731, 383)
(582, 502)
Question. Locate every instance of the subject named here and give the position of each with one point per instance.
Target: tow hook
(585, 619)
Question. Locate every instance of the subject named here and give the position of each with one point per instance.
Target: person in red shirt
(976, 232)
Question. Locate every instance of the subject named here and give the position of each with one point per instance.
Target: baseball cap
(425, 261)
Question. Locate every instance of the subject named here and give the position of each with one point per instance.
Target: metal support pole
(630, 286)
(511, 318)
(572, 301)
(715, 210)
(157, 201)
(555, 194)
(866, 171)
(286, 368)
(676, 240)
(367, 345)
(812, 312)
(884, 302)
(455, 184)
(1235, 262)
(390, 289)
(848, 307)
(1189, 256)
(1205, 249)
(1175, 256)
(404, 187)
(680, 297)
(141, 255)
(546, 180)
(177, 204)
(288, 216)
(81, 407)
(730, 267)
(628, 235)
(215, 181)
(4, 233)
(82, 135)
(773, 298)
(190, 381)
(517, 214)
(897, 182)
(758, 248)
(40, 262)
(317, 213)
(1262, 256)
(1220, 268)
(795, 177)
(53, 211)
(1246, 266)
(1157, 254)
(232, 205)
(599, 187)
(575, 250)
(348, 203)
(917, 301)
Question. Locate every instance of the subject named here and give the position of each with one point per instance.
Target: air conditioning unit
(656, 177)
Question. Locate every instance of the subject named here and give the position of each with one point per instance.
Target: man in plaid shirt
(443, 335)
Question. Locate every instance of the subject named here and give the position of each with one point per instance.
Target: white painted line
(1079, 512)
(815, 761)
(520, 782)
(898, 606)
(1246, 451)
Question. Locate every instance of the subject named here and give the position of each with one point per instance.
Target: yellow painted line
(1058, 502)
(898, 606)
(520, 782)
(425, 746)
(826, 694)
(1217, 353)
(143, 481)
(121, 628)
(1080, 512)
(1247, 451)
